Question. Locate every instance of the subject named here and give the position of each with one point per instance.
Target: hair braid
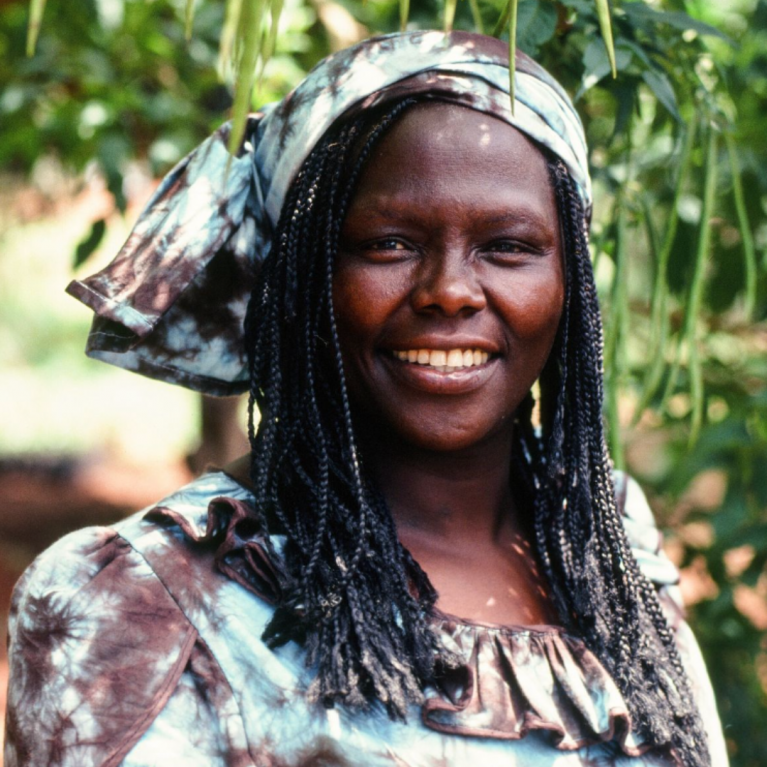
(349, 596)
(599, 589)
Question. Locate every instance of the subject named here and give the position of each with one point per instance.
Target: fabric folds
(243, 552)
(513, 680)
(516, 680)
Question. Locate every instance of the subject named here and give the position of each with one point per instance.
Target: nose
(448, 284)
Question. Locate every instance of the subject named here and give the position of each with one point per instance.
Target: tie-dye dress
(139, 644)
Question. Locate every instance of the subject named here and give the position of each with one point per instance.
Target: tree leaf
(90, 242)
(636, 49)
(625, 92)
(597, 64)
(659, 84)
(536, 25)
(639, 11)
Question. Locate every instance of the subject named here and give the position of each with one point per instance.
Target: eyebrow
(524, 217)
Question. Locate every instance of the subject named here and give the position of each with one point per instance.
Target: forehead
(459, 152)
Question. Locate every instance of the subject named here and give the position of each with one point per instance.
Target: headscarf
(172, 303)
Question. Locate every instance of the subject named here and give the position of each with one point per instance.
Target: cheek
(355, 322)
(534, 313)
(349, 295)
(363, 301)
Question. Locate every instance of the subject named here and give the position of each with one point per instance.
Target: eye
(390, 243)
(386, 249)
(508, 250)
(506, 246)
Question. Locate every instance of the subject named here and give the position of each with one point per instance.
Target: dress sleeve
(97, 647)
(647, 545)
(185, 733)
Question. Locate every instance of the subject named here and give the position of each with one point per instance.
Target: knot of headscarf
(171, 305)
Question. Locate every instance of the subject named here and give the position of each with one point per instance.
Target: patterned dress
(140, 644)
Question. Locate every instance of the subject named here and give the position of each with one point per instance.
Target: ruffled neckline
(517, 679)
(510, 680)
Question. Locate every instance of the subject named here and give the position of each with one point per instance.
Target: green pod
(188, 19)
(270, 40)
(749, 252)
(605, 26)
(659, 316)
(616, 334)
(229, 31)
(477, 16)
(250, 38)
(450, 6)
(36, 9)
(513, 10)
(688, 336)
(696, 288)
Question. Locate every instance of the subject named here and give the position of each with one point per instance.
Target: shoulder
(92, 567)
(98, 639)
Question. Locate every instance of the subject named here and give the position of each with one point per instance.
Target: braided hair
(352, 594)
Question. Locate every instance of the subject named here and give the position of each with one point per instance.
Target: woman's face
(449, 282)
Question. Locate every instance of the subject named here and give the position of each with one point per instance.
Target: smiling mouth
(445, 361)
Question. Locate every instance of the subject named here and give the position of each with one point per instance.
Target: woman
(410, 568)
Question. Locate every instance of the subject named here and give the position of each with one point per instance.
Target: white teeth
(446, 361)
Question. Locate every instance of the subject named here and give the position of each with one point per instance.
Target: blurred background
(115, 95)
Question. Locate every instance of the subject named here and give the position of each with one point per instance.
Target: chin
(448, 439)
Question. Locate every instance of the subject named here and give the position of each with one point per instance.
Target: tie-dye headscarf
(172, 303)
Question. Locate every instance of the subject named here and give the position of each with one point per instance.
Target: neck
(462, 496)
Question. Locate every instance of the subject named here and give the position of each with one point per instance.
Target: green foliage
(679, 232)
(107, 87)
(735, 448)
